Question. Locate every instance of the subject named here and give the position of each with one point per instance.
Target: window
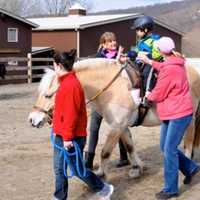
(12, 35)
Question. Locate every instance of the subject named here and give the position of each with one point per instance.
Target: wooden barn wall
(59, 40)
(23, 46)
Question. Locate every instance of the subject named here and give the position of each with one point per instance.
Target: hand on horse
(144, 58)
(120, 55)
(68, 145)
(123, 58)
(147, 93)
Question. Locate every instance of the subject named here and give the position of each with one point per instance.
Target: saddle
(142, 85)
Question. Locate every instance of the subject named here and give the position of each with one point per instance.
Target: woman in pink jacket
(174, 107)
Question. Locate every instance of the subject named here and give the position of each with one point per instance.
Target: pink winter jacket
(171, 92)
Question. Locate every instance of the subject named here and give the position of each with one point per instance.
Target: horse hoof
(134, 173)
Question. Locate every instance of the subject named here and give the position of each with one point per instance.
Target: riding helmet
(144, 22)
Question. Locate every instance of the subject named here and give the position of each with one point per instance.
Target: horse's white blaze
(46, 81)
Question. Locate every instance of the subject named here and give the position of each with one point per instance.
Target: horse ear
(72, 53)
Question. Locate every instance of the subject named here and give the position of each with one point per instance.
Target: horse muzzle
(37, 119)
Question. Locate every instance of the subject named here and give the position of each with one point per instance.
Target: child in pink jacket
(174, 107)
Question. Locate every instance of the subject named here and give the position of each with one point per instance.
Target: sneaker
(164, 195)
(187, 180)
(106, 192)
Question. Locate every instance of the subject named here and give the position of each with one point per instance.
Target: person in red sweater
(69, 125)
(174, 107)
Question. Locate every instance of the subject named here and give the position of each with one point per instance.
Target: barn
(15, 35)
(15, 42)
(81, 31)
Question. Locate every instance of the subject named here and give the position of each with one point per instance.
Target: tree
(60, 7)
(14, 6)
(41, 7)
(22, 7)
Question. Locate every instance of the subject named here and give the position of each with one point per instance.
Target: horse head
(42, 110)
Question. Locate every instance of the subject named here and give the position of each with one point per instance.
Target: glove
(132, 55)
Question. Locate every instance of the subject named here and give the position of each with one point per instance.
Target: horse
(112, 100)
(2, 71)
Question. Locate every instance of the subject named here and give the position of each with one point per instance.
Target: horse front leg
(111, 140)
(136, 163)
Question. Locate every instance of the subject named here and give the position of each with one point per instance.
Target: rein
(114, 78)
(108, 85)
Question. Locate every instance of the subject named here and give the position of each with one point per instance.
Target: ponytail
(177, 54)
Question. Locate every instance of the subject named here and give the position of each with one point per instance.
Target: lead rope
(80, 169)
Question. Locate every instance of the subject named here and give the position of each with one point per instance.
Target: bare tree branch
(41, 7)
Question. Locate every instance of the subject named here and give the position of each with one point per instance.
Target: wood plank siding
(63, 40)
(20, 48)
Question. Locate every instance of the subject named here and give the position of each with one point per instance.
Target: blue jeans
(172, 132)
(61, 182)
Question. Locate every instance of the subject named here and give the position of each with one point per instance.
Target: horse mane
(93, 63)
(89, 63)
(46, 81)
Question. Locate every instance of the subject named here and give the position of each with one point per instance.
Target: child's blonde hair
(106, 37)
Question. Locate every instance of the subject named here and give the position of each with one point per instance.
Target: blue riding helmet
(143, 22)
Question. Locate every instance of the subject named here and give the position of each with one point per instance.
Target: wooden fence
(24, 69)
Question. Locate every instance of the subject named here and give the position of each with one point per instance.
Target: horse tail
(196, 142)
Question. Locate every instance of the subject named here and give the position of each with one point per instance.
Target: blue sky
(100, 5)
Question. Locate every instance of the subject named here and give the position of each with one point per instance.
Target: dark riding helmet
(145, 22)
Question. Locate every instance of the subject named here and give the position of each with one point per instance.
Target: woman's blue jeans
(61, 182)
(172, 132)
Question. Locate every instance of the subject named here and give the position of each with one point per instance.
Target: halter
(48, 113)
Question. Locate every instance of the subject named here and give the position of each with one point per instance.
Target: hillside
(184, 15)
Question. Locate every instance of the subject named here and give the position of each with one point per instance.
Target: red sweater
(171, 92)
(69, 117)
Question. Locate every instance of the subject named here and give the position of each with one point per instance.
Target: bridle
(48, 113)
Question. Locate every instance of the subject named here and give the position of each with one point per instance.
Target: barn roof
(5, 12)
(37, 50)
(82, 22)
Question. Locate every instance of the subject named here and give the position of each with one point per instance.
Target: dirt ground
(26, 157)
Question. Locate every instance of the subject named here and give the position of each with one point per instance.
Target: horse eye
(47, 96)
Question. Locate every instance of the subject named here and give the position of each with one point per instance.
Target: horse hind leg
(189, 139)
(136, 163)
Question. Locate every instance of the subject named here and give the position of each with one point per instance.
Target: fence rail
(25, 69)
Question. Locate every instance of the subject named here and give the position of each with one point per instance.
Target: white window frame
(16, 36)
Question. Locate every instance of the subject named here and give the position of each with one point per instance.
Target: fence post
(29, 56)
